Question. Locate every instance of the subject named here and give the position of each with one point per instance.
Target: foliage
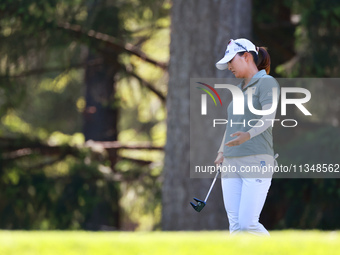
(42, 95)
(273, 28)
(68, 195)
(142, 195)
(302, 37)
(306, 203)
(316, 39)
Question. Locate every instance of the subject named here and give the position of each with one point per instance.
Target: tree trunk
(100, 116)
(100, 124)
(200, 31)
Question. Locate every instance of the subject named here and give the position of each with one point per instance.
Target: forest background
(86, 141)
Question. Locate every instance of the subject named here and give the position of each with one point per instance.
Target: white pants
(244, 194)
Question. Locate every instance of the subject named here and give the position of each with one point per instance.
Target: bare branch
(18, 147)
(48, 163)
(112, 42)
(138, 161)
(148, 85)
(118, 145)
(17, 153)
(93, 62)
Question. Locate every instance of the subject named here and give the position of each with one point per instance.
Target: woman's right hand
(219, 158)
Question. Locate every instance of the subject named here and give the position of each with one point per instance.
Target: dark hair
(262, 60)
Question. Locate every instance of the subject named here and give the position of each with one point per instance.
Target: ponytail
(263, 61)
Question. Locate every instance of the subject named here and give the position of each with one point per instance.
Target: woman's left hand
(241, 137)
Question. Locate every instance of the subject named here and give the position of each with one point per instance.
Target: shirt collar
(254, 79)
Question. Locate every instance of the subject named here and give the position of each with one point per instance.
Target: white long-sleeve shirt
(256, 130)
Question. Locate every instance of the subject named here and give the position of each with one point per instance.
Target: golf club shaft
(212, 185)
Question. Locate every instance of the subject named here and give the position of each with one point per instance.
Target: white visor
(223, 63)
(235, 46)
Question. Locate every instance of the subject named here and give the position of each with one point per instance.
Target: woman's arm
(245, 136)
(219, 159)
(221, 149)
(266, 124)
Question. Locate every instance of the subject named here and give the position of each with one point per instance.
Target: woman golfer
(247, 146)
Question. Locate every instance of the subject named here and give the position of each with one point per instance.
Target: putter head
(199, 206)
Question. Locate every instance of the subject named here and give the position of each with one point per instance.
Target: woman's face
(237, 66)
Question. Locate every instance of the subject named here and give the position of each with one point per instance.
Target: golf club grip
(211, 186)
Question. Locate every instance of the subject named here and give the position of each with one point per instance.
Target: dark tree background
(61, 62)
(86, 103)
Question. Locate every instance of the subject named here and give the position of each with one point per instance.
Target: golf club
(200, 203)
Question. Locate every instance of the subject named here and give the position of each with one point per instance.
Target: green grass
(177, 243)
